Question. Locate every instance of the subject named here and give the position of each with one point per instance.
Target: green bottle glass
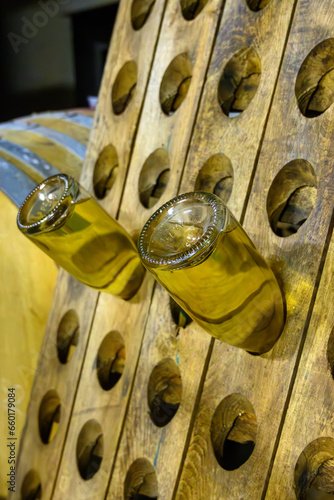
(200, 254)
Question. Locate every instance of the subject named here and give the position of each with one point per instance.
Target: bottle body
(226, 287)
(81, 237)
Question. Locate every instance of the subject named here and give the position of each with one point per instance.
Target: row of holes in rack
(238, 84)
(233, 425)
(314, 92)
(237, 88)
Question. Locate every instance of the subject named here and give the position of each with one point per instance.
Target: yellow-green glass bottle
(200, 254)
(62, 219)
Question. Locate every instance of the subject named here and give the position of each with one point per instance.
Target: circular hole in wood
(124, 87)
(110, 360)
(314, 471)
(154, 178)
(239, 82)
(90, 449)
(141, 481)
(31, 486)
(49, 416)
(180, 317)
(291, 197)
(233, 431)
(140, 11)
(256, 5)
(315, 80)
(67, 336)
(191, 8)
(164, 392)
(216, 176)
(175, 83)
(105, 171)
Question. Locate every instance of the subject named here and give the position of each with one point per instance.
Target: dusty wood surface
(53, 375)
(175, 85)
(265, 380)
(130, 318)
(126, 44)
(236, 138)
(309, 415)
(170, 374)
(141, 437)
(107, 407)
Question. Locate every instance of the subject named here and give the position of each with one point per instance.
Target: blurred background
(52, 53)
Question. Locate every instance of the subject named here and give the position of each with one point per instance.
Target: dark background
(62, 61)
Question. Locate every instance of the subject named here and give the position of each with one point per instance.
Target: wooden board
(55, 376)
(309, 415)
(119, 130)
(141, 437)
(155, 129)
(126, 43)
(160, 131)
(265, 380)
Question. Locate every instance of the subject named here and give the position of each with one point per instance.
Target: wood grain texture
(265, 380)
(238, 138)
(119, 129)
(71, 129)
(130, 317)
(162, 446)
(190, 42)
(141, 438)
(107, 407)
(52, 375)
(54, 153)
(309, 415)
(126, 44)
(160, 338)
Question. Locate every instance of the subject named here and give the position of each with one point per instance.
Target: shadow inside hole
(216, 176)
(330, 352)
(314, 470)
(175, 83)
(191, 8)
(233, 431)
(49, 416)
(239, 82)
(314, 87)
(154, 177)
(256, 5)
(291, 197)
(180, 317)
(105, 171)
(235, 454)
(124, 87)
(90, 448)
(140, 12)
(67, 336)
(164, 392)
(141, 481)
(31, 486)
(110, 360)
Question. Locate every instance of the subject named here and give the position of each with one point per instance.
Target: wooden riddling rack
(134, 146)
